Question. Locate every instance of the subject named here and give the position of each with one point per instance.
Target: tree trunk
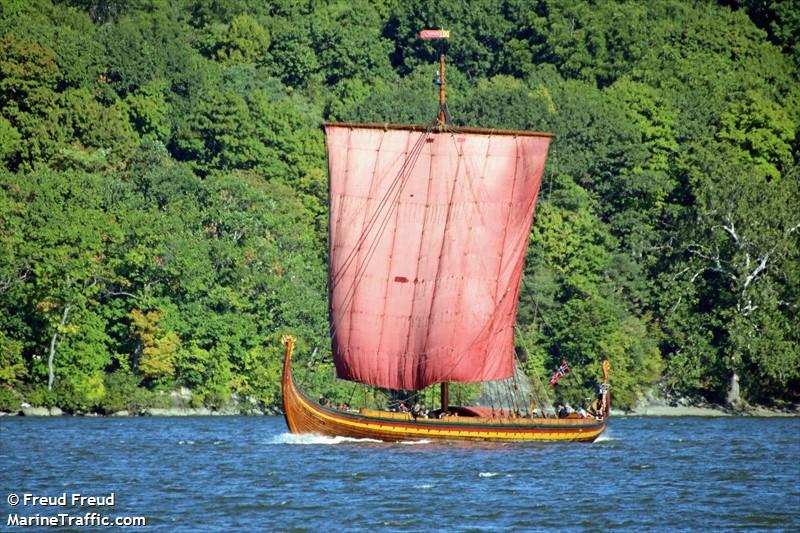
(734, 399)
(51, 367)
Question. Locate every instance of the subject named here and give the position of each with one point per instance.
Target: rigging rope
(542, 386)
(534, 395)
(401, 179)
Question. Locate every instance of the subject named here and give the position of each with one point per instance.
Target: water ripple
(249, 474)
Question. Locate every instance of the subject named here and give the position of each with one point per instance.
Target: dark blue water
(247, 474)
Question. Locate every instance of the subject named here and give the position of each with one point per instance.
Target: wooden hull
(306, 416)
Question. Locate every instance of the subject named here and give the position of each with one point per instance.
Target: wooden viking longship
(428, 231)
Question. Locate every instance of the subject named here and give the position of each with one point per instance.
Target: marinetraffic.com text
(68, 510)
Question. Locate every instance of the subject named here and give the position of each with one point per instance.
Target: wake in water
(605, 437)
(310, 438)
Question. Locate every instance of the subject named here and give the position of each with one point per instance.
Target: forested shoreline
(163, 192)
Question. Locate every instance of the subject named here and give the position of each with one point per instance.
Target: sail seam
(373, 185)
(460, 296)
(336, 278)
(416, 276)
(391, 249)
(505, 228)
(441, 250)
(394, 190)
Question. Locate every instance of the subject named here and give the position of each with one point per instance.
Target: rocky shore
(177, 403)
(238, 410)
(660, 408)
(150, 411)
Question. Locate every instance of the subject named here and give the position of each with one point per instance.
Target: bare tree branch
(122, 293)
(51, 360)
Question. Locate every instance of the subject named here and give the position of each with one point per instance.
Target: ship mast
(442, 93)
(445, 392)
(444, 396)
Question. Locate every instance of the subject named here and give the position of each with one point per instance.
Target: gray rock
(157, 411)
(176, 411)
(121, 413)
(651, 398)
(35, 411)
(180, 397)
(55, 411)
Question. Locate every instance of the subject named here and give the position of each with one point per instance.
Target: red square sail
(428, 232)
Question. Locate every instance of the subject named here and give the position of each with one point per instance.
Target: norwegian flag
(562, 371)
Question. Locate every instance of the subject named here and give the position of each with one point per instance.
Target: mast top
(441, 33)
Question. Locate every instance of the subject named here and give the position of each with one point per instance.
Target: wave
(488, 474)
(605, 437)
(310, 438)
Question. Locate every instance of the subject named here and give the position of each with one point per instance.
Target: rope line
(402, 179)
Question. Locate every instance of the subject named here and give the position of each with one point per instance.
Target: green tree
(29, 76)
(742, 246)
(245, 41)
(149, 111)
(574, 307)
(158, 348)
(94, 128)
(63, 248)
(761, 128)
(9, 140)
(12, 364)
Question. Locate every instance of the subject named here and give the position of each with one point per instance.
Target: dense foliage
(163, 187)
